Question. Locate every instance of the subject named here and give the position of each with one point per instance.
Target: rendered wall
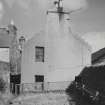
(68, 53)
(65, 53)
(30, 67)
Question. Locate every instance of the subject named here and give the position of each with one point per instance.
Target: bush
(93, 78)
(2, 85)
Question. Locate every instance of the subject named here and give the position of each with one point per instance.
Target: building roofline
(97, 55)
(74, 35)
(81, 39)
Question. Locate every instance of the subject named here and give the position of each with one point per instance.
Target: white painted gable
(65, 54)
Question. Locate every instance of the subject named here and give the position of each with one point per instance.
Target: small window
(39, 78)
(39, 54)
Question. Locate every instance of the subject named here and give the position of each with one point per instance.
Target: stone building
(11, 59)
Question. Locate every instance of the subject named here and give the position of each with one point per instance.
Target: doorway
(39, 80)
(15, 80)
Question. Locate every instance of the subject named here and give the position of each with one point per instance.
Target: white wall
(30, 68)
(68, 53)
(65, 53)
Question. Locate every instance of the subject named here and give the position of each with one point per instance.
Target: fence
(41, 87)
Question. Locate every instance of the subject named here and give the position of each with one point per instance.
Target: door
(15, 80)
(39, 80)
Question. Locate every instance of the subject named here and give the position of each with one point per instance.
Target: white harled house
(54, 54)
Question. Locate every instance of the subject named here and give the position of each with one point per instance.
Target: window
(39, 78)
(39, 54)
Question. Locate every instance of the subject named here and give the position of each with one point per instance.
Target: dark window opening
(39, 78)
(39, 54)
(15, 80)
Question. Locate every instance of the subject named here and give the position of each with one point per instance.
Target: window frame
(39, 78)
(42, 50)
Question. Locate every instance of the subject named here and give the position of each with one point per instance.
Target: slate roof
(97, 56)
(4, 38)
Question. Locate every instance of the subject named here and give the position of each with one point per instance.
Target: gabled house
(54, 54)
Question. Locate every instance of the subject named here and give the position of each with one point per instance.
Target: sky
(29, 17)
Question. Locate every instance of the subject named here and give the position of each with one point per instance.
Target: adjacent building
(10, 55)
(4, 54)
(98, 57)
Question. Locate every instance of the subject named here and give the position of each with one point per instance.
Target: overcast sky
(29, 17)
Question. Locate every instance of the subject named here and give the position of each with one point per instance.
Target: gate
(14, 83)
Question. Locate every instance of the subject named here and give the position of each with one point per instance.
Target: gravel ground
(41, 99)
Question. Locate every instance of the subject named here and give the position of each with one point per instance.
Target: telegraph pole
(60, 11)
